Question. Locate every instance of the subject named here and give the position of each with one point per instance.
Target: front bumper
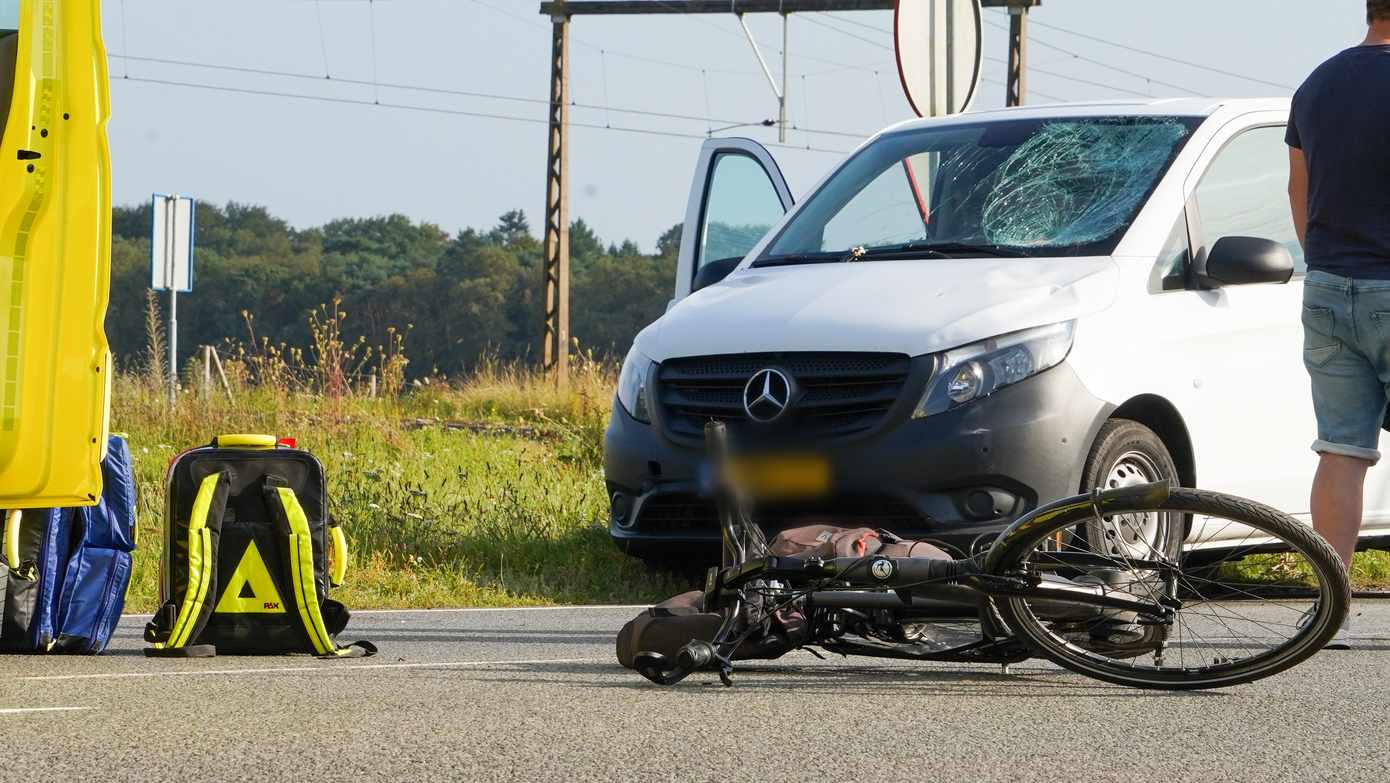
(956, 478)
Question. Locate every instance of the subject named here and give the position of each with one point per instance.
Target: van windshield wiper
(932, 249)
(917, 249)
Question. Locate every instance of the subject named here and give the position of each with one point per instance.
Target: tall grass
(478, 490)
(155, 370)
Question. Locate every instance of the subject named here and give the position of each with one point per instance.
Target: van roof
(1183, 107)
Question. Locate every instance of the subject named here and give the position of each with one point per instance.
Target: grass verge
(510, 512)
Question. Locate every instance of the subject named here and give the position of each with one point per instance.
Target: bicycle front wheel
(1251, 593)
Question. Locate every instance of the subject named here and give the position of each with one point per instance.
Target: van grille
(839, 394)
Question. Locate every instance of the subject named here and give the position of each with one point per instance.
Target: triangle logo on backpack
(250, 590)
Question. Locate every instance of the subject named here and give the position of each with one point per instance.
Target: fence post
(227, 387)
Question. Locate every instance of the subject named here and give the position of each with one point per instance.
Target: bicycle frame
(898, 583)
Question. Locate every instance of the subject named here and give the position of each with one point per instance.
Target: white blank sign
(938, 44)
(171, 244)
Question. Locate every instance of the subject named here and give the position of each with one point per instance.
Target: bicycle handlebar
(695, 655)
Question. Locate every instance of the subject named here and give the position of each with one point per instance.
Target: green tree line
(463, 296)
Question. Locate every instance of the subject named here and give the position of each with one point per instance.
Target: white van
(974, 315)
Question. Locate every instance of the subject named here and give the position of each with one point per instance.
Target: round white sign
(940, 48)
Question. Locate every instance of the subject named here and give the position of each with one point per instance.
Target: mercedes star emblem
(767, 395)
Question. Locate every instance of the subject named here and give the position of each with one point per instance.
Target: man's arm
(1298, 193)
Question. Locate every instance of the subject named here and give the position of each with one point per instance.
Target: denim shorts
(1346, 348)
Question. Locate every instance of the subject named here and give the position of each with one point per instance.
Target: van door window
(1245, 192)
(741, 206)
(1170, 274)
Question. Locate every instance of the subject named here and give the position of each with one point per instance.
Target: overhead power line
(1108, 42)
(454, 112)
(1107, 65)
(1033, 69)
(535, 22)
(821, 23)
(1077, 79)
(460, 93)
(1161, 56)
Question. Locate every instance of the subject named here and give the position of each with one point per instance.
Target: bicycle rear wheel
(1254, 591)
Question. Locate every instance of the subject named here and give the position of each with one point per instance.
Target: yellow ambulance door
(55, 249)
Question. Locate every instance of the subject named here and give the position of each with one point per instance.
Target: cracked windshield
(1029, 187)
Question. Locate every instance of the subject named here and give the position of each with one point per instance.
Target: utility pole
(1016, 92)
(555, 348)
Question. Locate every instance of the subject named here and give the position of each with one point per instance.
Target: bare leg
(1336, 502)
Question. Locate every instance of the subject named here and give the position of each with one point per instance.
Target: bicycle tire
(1014, 551)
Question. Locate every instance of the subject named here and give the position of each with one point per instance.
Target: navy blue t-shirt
(1341, 121)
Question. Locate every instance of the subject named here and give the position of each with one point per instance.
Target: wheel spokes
(1236, 603)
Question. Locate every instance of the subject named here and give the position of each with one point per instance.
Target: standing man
(1339, 190)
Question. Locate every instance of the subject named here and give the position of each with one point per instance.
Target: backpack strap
(294, 524)
(12, 519)
(169, 633)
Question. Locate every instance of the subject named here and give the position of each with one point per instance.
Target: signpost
(939, 49)
(171, 264)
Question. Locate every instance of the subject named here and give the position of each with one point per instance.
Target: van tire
(1125, 453)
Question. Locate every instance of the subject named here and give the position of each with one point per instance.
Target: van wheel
(1127, 453)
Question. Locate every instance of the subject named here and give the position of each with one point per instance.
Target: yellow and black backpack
(250, 553)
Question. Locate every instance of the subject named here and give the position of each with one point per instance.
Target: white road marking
(638, 607)
(26, 710)
(303, 669)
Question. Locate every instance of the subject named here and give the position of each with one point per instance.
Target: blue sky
(355, 155)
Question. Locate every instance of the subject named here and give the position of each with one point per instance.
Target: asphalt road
(521, 695)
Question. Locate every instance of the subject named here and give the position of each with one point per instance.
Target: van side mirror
(1245, 260)
(713, 272)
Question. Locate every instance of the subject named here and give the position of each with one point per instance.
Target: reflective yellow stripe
(301, 551)
(12, 538)
(340, 556)
(200, 564)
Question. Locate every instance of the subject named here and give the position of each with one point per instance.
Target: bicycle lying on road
(1232, 591)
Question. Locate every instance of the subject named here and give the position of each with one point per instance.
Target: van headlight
(978, 370)
(634, 385)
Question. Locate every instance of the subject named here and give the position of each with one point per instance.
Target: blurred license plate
(782, 475)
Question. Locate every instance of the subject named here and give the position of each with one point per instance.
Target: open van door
(738, 194)
(55, 253)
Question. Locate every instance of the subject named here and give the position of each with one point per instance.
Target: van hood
(913, 307)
